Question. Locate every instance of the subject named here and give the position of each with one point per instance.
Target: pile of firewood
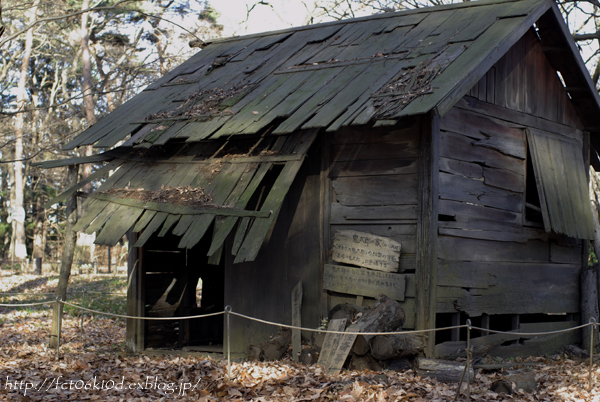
(368, 351)
(380, 351)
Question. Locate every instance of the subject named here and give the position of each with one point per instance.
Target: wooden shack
(462, 132)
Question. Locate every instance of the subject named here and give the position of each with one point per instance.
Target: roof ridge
(464, 4)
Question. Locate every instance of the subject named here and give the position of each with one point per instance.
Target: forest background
(66, 63)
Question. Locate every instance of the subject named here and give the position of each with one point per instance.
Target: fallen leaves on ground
(99, 370)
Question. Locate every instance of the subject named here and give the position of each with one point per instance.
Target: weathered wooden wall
(490, 260)
(291, 253)
(374, 188)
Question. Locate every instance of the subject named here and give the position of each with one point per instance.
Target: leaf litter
(26, 359)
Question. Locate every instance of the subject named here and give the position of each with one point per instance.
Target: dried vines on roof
(206, 104)
(404, 88)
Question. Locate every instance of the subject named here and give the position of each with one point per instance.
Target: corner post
(134, 338)
(426, 272)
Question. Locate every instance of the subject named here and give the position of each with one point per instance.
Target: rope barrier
(27, 304)
(559, 331)
(142, 318)
(69, 293)
(301, 328)
(325, 331)
(228, 312)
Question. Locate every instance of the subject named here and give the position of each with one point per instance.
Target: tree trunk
(39, 229)
(594, 205)
(67, 257)
(17, 246)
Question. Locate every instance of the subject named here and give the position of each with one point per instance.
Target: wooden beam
(178, 209)
(426, 275)
(325, 216)
(455, 332)
(134, 338)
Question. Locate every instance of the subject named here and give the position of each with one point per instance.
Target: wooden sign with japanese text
(363, 282)
(366, 250)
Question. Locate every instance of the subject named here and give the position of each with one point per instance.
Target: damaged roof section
(206, 185)
(365, 70)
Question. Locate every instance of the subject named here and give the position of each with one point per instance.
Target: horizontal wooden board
(505, 179)
(540, 346)
(366, 250)
(522, 119)
(459, 147)
(404, 234)
(341, 214)
(483, 275)
(532, 301)
(482, 127)
(374, 167)
(495, 235)
(461, 249)
(461, 168)
(459, 188)
(376, 190)
(407, 129)
(565, 255)
(407, 148)
(460, 209)
(474, 224)
(363, 282)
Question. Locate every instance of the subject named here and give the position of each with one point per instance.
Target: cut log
(277, 346)
(387, 347)
(403, 363)
(385, 316)
(344, 310)
(366, 362)
(308, 356)
(443, 370)
(450, 350)
(361, 346)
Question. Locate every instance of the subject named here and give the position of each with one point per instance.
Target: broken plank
(223, 230)
(117, 226)
(459, 188)
(144, 220)
(92, 209)
(153, 226)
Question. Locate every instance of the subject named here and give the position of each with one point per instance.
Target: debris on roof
(183, 195)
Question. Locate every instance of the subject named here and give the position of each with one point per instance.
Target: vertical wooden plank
(296, 321)
(485, 323)
(426, 270)
(325, 215)
(134, 339)
(490, 91)
(482, 88)
(455, 332)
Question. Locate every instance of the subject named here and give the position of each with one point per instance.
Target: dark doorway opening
(182, 283)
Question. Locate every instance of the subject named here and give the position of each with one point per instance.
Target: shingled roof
(350, 72)
(372, 70)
